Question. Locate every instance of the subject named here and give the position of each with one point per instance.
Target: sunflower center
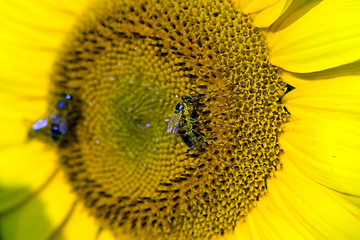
(174, 119)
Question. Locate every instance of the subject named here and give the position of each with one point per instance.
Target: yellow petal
(46, 15)
(41, 215)
(253, 6)
(25, 66)
(335, 98)
(31, 33)
(259, 226)
(298, 208)
(269, 15)
(14, 134)
(25, 85)
(315, 38)
(326, 215)
(78, 226)
(16, 106)
(270, 220)
(299, 79)
(16, 33)
(326, 150)
(352, 203)
(24, 170)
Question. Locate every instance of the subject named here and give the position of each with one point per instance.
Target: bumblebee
(54, 125)
(184, 123)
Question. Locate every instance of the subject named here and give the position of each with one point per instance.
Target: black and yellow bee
(185, 124)
(54, 125)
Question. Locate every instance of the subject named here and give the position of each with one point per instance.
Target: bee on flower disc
(54, 125)
(183, 123)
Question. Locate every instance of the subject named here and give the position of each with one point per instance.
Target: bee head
(63, 104)
(179, 107)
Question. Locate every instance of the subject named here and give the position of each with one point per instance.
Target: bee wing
(41, 129)
(173, 125)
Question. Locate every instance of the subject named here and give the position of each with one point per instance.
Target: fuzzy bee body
(184, 123)
(54, 124)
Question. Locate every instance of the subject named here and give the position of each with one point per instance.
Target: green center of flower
(174, 116)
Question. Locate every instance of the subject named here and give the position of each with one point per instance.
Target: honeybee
(183, 122)
(53, 125)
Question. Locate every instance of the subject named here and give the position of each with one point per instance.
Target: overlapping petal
(334, 98)
(318, 36)
(327, 151)
(268, 16)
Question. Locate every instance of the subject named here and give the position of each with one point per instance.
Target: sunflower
(180, 120)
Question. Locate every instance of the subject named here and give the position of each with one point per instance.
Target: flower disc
(127, 64)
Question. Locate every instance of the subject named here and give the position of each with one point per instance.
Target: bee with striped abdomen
(185, 124)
